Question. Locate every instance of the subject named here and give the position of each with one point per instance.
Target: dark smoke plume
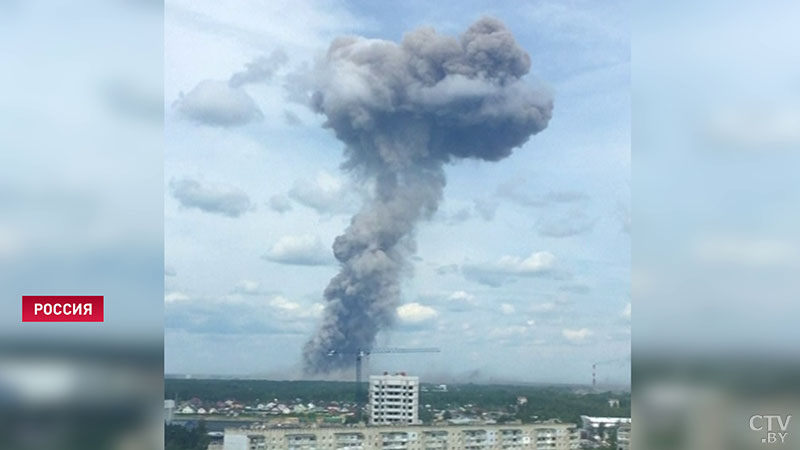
(403, 111)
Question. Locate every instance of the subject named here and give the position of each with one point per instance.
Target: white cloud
(302, 250)
(280, 204)
(506, 308)
(291, 309)
(509, 266)
(460, 301)
(248, 287)
(576, 336)
(226, 201)
(326, 194)
(217, 103)
(284, 303)
(416, 313)
(462, 296)
(175, 296)
(240, 315)
(535, 263)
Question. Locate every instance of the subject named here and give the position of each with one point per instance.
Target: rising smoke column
(403, 111)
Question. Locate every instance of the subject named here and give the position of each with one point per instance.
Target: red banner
(62, 308)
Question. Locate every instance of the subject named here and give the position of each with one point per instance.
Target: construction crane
(361, 353)
(594, 369)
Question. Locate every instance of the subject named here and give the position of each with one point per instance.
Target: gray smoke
(403, 111)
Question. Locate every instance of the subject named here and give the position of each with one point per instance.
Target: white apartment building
(393, 399)
(545, 436)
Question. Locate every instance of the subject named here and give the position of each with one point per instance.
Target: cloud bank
(225, 201)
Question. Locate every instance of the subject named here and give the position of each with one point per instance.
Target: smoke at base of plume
(403, 110)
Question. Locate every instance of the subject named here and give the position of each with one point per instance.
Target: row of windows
(508, 439)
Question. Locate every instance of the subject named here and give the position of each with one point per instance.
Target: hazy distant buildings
(544, 436)
(169, 410)
(393, 399)
(437, 388)
(624, 437)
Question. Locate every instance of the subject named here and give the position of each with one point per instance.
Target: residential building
(543, 436)
(393, 399)
(624, 437)
(600, 429)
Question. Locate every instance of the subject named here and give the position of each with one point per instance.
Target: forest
(543, 402)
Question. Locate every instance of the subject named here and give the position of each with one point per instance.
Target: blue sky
(522, 275)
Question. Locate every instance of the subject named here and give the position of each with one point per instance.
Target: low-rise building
(544, 436)
(601, 429)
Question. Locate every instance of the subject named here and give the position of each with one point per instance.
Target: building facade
(624, 437)
(602, 426)
(393, 400)
(600, 430)
(546, 436)
(169, 411)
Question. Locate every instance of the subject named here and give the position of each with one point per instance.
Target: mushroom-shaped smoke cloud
(402, 111)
